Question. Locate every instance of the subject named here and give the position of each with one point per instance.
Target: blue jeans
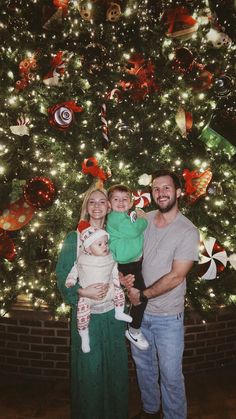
(159, 368)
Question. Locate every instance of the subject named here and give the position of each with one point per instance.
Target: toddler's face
(120, 201)
(99, 247)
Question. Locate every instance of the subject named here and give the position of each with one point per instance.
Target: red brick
(30, 339)
(191, 345)
(188, 353)
(207, 350)
(18, 345)
(216, 326)
(225, 347)
(214, 356)
(63, 333)
(56, 324)
(43, 332)
(207, 335)
(55, 373)
(55, 341)
(231, 338)
(55, 357)
(8, 352)
(189, 337)
(30, 355)
(9, 336)
(226, 332)
(63, 349)
(31, 371)
(8, 320)
(31, 323)
(62, 365)
(42, 348)
(195, 329)
(17, 361)
(193, 359)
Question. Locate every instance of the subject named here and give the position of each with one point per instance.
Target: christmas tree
(116, 90)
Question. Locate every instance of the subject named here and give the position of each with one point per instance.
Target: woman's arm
(66, 259)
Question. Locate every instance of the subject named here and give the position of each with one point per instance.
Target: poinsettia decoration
(143, 81)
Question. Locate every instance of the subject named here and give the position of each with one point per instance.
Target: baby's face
(120, 201)
(99, 247)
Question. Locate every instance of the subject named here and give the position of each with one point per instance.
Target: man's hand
(126, 280)
(134, 295)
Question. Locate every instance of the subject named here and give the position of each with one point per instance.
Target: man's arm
(165, 284)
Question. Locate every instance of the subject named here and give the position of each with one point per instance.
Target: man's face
(164, 193)
(120, 201)
(99, 247)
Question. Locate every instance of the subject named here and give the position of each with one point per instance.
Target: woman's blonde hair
(95, 187)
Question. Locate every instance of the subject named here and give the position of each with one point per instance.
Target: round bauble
(40, 192)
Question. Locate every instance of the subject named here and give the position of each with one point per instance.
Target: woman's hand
(126, 280)
(96, 291)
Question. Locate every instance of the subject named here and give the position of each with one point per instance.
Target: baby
(95, 264)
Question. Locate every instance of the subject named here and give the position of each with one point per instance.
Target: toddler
(126, 245)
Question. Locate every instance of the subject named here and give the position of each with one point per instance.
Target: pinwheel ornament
(141, 199)
(213, 259)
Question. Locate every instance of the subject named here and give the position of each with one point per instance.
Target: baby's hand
(140, 213)
(70, 282)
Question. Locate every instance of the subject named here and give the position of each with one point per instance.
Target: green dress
(99, 378)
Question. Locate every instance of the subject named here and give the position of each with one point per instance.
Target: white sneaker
(138, 340)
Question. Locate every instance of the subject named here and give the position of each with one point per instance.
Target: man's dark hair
(166, 172)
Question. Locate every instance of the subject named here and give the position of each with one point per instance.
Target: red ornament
(61, 4)
(196, 183)
(26, 67)
(184, 59)
(39, 192)
(61, 116)
(7, 247)
(16, 216)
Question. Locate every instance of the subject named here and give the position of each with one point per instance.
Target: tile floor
(211, 395)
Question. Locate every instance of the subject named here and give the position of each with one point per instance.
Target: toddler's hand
(140, 213)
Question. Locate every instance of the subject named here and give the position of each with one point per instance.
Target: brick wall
(32, 344)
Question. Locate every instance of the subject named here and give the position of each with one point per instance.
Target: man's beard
(168, 207)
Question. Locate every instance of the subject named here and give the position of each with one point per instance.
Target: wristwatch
(142, 297)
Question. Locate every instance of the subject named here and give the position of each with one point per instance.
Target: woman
(99, 379)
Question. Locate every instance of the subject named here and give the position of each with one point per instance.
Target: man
(170, 249)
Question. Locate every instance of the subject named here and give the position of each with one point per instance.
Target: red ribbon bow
(91, 166)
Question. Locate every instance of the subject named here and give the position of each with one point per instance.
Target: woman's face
(97, 206)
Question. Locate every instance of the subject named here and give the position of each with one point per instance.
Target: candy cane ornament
(105, 130)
